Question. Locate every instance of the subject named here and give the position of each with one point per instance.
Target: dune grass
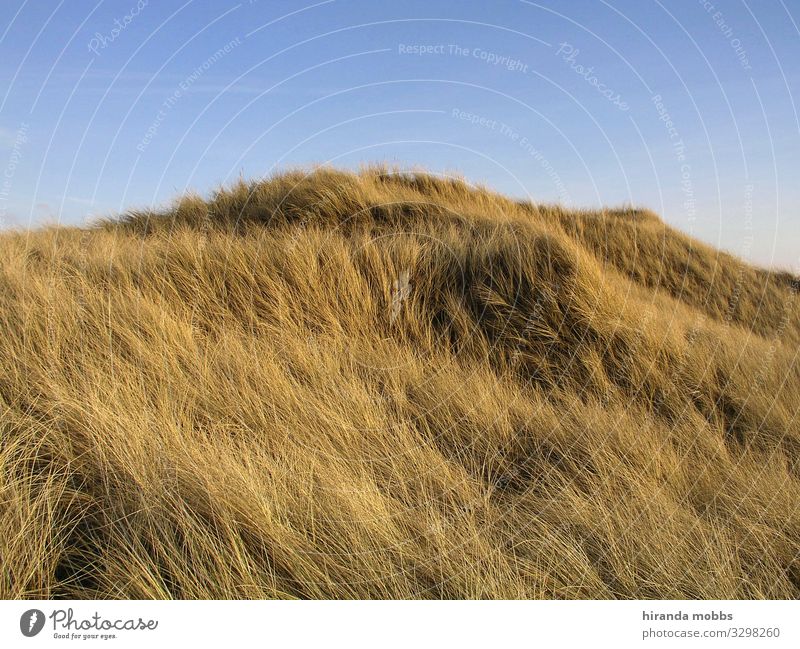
(392, 385)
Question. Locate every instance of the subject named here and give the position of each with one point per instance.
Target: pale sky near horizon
(687, 107)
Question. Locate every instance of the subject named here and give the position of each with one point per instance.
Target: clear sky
(689, 107)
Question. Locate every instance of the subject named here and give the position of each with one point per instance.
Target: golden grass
(234, 399)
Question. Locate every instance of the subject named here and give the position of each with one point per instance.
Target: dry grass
(235, 399)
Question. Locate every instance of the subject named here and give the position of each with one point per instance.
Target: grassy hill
(336, 385)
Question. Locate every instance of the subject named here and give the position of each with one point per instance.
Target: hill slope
(392, 385)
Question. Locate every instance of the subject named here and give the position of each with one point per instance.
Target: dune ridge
(380, 384)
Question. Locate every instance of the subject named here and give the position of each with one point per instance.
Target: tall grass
(335, 385)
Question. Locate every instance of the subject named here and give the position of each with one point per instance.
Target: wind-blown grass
(230, 399)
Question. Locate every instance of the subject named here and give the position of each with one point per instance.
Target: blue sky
(688, 107)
